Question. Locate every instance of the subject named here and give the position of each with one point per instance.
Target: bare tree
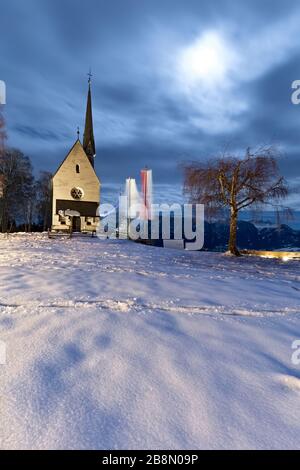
(236, 183)
(22, 199)
(2, 142)
(17, 189)
(27, 195)
(2, 131)
(43, 195)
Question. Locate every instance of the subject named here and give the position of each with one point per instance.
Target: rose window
(76, 193)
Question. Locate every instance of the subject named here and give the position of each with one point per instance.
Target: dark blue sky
(172, 80)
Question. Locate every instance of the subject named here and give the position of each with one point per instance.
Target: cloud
(216, 69)
(172, 80)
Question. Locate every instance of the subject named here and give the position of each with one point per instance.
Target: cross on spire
(90, 75)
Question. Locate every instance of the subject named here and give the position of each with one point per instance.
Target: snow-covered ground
(112, 344)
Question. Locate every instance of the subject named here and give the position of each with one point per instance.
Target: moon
(207, 60)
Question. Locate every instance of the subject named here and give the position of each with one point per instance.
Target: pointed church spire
(88, 136)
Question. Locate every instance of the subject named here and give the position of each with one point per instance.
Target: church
(75, 185)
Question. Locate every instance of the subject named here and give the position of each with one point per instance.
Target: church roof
(88, 136)
(88, 145)
(77, 142)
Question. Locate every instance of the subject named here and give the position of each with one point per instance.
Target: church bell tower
(75, 185)
(88, 136)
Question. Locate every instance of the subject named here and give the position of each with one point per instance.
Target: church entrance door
(76, 224)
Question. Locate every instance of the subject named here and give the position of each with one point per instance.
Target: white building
(75, 185)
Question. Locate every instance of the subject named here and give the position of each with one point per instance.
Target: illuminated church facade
(75, 185)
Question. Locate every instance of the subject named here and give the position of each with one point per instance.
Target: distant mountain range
(251, 237)
(270, 218)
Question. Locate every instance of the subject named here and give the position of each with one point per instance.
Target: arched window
(77, 169)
